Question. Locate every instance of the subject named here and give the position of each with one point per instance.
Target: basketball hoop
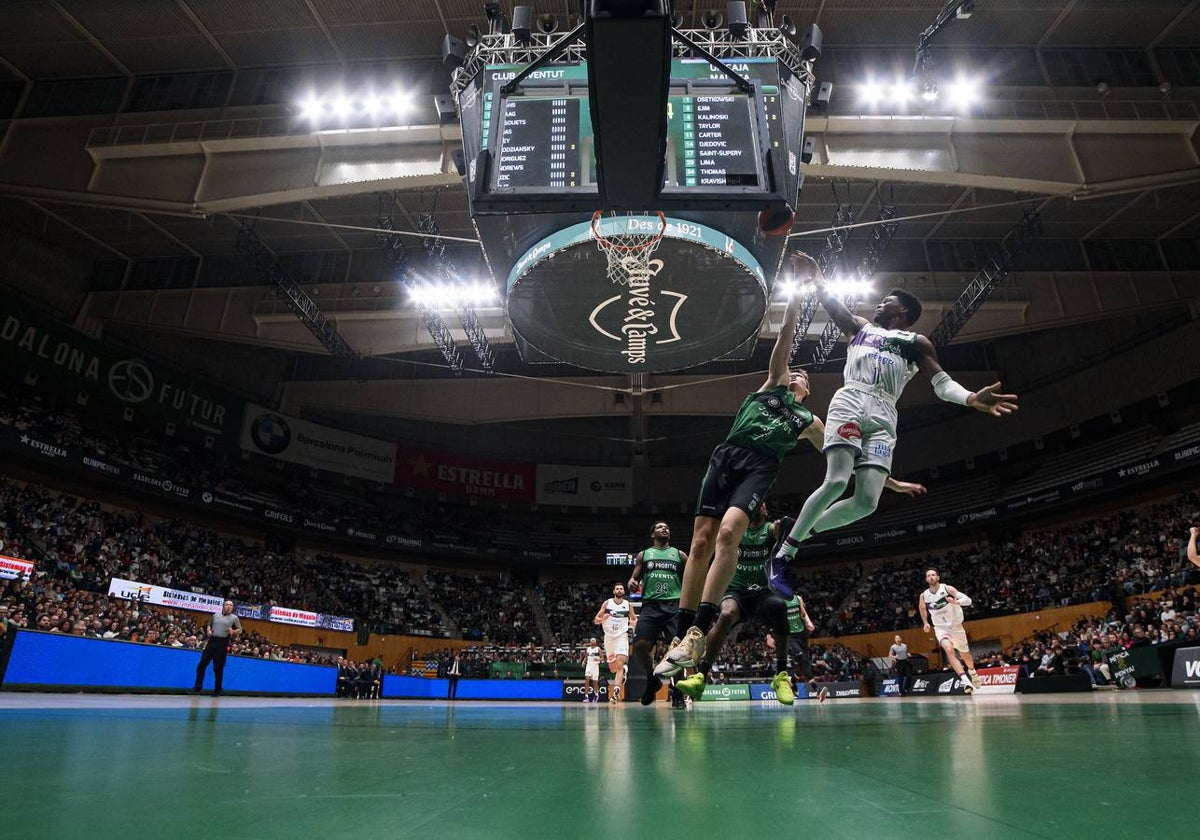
(628, 252)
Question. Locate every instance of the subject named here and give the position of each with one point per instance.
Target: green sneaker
(693, 686)
(782, 686)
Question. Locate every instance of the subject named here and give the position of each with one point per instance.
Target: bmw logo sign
(270, 433)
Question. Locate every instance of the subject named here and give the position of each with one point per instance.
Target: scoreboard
(534, 149)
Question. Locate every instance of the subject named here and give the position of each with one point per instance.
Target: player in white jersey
(617, 617)
(860, 425)
(942, 605)
(591, 672)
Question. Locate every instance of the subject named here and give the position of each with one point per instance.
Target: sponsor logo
(633, 321)
(102, 466)
(206, 497)
(396, 539)
(892, 534)
(976, 516)
(318, 525)
(162, 484)
(566, 486)
(920, 685)
(849, 431)
(1087, 484)
(946, 687)
(890, 688)
(43, 448)
(279, 516)
(1138, 470)
(881, 450)
(851, 540)
(1189, 452)
(998, 676)
(847, 692)
(931, 526)
(270, 433)
(361, 534)
(130, 381)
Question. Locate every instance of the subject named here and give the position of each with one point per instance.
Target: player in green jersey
(749, 597)
(659, 572)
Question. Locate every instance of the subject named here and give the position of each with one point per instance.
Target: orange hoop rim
(603, 242)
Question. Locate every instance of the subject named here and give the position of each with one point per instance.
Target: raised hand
(989, 402)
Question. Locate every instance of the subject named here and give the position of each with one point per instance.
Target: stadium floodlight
(341, 107)
(372, 105)
(310, 108)
(901, 92)
(400, 103)
(964, 92)
(870, 93)
(453, 295)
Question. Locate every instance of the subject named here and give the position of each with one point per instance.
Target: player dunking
(616, 616)
(860, 430)
(769, 424)
(942, 605)
(591, 672)
(659, 571)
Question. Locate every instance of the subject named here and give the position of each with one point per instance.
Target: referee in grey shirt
(899, 654)
(224, 625)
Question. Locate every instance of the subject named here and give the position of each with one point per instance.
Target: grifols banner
(39, 351)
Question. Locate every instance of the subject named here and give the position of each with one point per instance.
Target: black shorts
(760, 604)
(656, 620)
(737, 477)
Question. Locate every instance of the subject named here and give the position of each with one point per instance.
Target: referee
(224, 625)
(898, 653)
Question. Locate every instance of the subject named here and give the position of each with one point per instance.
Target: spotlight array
(964, 93)
(367, 107)
(452, 295)
(841, 287)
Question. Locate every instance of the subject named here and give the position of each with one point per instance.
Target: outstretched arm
(847, 321)
(777, 373)
(1191, 549)
(815, 434)
(908, 488)
(986, 399)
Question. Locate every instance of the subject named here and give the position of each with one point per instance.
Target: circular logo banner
(703, 296)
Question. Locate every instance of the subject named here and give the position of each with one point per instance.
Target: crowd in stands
(1092, 644)
(1105, 558)
(484, 607)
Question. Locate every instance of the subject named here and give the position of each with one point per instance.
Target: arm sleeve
(964, 600)
(949, 390)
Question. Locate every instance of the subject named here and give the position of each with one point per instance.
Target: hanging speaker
(711, 20)
(522, 23)
(735, 13)
(547, 23)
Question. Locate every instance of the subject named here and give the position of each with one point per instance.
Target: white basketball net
(628, 254)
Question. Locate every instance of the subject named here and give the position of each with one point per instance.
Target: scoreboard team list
(539, 143)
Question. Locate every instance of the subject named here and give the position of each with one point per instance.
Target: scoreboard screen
(537, 143)
(619, 558)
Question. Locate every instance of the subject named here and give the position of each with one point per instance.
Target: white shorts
(956, 634)
(616, 645)
(592, 672)
(864, 421)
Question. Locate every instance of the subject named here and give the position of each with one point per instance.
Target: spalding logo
(849, 431)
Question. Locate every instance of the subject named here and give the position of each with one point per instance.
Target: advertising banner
(574, 690)
(38, 350)
(843, 689)
(726, 693)
(998, 680)
(298, 441)
(562, 484)
(147, 593)
(936, 682)
(890, 687)
(764, 692)
(132, 590)
(12, 568)
(463, 475)
(1186, 673)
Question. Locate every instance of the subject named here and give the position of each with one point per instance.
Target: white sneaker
(683, 653)
(967, 687)
(823, 694)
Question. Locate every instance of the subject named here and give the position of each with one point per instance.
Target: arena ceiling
(46, 40)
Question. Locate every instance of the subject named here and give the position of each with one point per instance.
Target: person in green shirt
(748, 597)
(769, 424)
(658, 570)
